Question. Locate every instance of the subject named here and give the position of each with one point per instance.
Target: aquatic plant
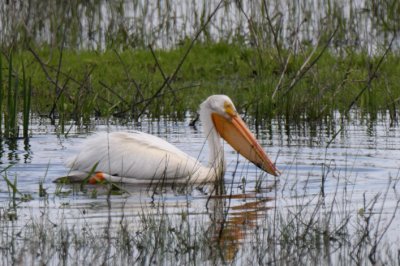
(10, 99)
(10, 116)
(253, 227)
(1, 95)
(298, 64)
(301, 63)
(27, 95)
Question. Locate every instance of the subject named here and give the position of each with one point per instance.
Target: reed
(27, 94)
(103, 85)
(18, 94)
(15, 195)
(1, 95)
(10, 115)
(263, 24)
(276, 60)
(299, 227)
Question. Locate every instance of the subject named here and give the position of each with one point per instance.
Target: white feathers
(139, 157)
(134, 155)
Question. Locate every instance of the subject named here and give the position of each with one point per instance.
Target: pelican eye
(229, 109)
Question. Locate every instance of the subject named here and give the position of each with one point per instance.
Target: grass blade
(27, 92)
(1, 95)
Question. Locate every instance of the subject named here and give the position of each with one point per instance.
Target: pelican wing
(134, 155)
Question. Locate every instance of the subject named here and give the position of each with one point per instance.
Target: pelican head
(220, 118)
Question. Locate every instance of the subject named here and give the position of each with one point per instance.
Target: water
(355, 177)
(125, 24)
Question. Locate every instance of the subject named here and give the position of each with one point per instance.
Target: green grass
(129, 84)
(318, 65)
(26, 96)
(265, 72)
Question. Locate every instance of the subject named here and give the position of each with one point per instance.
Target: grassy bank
(299, 61)
(309, 85)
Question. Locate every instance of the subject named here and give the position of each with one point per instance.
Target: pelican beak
(237, 134)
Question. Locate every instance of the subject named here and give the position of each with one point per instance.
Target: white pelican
(138, 157)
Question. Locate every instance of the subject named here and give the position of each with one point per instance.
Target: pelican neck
(216, 152)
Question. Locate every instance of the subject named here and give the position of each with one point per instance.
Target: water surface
(355, 176)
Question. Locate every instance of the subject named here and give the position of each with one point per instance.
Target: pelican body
(138, 157)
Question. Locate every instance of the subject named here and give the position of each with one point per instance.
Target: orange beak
(236, 133)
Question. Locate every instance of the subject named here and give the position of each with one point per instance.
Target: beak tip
(270, 169)
(277, 172)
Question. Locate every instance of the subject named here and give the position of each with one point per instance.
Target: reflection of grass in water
(238, 228)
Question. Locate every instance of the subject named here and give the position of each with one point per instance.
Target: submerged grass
(235, 229)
